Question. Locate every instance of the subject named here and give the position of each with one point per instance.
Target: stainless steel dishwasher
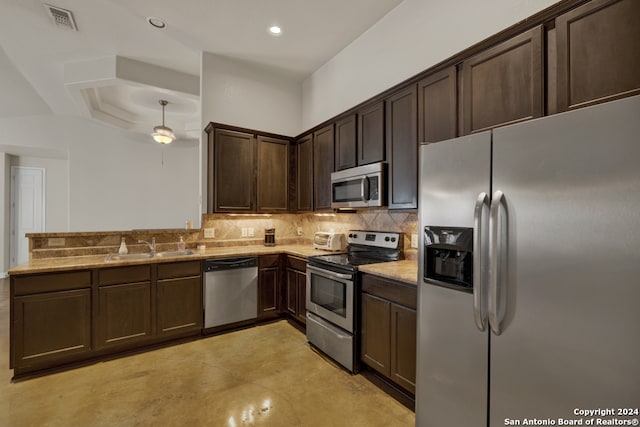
(231, 290)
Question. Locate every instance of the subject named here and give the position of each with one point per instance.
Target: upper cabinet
(345, 144)
(402, 148)
(304, 166)
(273, 174)
(322, 167)
(598, 48)
(437, 106)
(247, 171)
(504, 84)
(371, 135)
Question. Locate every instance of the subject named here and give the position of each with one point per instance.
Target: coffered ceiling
(66, 69)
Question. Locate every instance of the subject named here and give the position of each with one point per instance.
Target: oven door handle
(329, 274)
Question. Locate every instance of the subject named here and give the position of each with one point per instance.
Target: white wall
(5, 218)
(116, 180)
(414, 36)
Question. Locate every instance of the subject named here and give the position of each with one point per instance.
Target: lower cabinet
(61, 318)
(269, 284)
(388, 329)
(296, 288)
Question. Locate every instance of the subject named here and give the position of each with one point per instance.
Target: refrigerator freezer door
(452, 353)
(570, 332)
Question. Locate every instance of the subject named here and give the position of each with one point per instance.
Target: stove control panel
(378, 239)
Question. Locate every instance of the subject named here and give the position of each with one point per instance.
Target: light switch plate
(209, 233)
(251, 231)
(300, 231)
(243, 232)
(414, 241)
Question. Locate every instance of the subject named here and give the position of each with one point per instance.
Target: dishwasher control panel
(229, 263)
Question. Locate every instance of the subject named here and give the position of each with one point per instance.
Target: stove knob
(355, 236)
(386, 239)
(393, 239)
(350, 235)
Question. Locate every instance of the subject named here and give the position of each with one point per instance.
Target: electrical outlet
(414, 241)
(243, 232)
(300, 231)
(209, 233)
(251, 232)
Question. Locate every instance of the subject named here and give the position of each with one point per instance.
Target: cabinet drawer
(51, 282)
(393, 291)
(179, 269)
(296, 263)
(114, 276)
(267, 261)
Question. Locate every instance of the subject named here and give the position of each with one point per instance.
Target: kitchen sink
(167, 254)
(147, 255)
(127, 257)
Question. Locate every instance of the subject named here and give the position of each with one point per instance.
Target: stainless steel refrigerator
(536, 315)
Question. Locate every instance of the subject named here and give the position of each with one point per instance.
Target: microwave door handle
(364, 189)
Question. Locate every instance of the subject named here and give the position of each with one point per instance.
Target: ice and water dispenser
(448, 257)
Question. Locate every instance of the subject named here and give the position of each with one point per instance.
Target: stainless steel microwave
(359, 187)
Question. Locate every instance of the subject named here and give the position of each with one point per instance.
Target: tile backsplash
(228, 228)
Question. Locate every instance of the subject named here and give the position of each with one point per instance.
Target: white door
(27, 209)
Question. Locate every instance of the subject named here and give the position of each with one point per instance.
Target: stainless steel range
(332, 287)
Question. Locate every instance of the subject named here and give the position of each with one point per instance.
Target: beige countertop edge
(49, 265)
(405, 271)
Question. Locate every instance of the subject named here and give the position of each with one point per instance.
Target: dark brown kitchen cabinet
(388, 329)
(402, 148)
(504, 84)
(304, 187)
(322, 167)
(371, 136)
(233, 170)
(50, 327)
(437, 106)
(269, 273)
(598, 48)
(273, 174)
(179, 298)
(345, 143)
(248, 171)
(296, 288)
(124, 316)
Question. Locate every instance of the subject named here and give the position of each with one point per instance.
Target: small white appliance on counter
(328, 241)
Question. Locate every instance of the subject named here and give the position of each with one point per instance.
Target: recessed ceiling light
(157, 22)
(275, 30)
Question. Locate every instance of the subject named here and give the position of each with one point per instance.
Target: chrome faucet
(152, 245)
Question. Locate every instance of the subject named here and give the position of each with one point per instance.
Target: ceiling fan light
(161, 133)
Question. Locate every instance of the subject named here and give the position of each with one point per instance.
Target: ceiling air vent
(63, 18)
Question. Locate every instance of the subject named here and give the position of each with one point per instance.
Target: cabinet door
(273, 174)
(374, 348)
(371, 134)
(304, 186)
(345, 144)
(179, 305)
(437, 106)
(402, 148)
(51, 326)
(598, 53)
(292, 292)
(504, 84)
(302, 297)
(234, 182)
(269, 286)
(322, 167)
(125, 314)
(403, 347)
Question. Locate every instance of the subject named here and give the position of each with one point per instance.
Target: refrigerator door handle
(497, 269)
(479, 276)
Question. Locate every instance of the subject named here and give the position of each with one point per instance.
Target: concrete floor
(262, 376)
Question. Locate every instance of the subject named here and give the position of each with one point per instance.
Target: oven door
(330, 296)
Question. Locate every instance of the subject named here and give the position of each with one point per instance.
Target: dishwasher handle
(229, 263)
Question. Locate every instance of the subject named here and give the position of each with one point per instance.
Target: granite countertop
(404, 271)
(97, 261)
